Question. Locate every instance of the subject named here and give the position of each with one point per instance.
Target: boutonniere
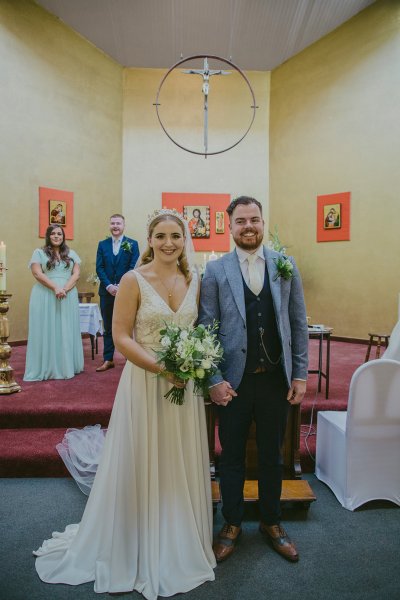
(126, 246)
(284, 268)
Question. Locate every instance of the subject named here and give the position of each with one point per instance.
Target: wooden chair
(381, 338)
(85, 297)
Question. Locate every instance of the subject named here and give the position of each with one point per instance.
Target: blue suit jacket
(222, 298)
(110, 269)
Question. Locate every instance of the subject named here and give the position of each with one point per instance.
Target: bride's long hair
(148, 255)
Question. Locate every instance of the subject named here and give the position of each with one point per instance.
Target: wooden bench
(294, 489)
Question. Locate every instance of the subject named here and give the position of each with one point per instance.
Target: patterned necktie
(255, 281)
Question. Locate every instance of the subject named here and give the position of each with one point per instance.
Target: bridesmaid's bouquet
(189, 353)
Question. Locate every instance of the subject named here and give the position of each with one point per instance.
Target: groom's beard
(249, 243)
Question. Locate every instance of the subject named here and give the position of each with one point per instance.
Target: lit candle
(3, 280)
(212, 256)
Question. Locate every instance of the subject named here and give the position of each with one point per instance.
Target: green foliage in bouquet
(189, 353)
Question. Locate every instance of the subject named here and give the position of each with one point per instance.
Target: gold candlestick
(8, 384)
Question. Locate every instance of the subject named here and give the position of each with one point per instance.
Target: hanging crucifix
(206, 73)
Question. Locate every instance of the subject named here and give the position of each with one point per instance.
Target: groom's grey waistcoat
(222, 298)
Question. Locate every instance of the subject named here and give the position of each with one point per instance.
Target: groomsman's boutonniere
(126, 246)
(284, 268)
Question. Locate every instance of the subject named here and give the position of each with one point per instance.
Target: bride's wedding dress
(147, 525)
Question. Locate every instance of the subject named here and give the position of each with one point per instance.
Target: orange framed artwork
(56, 207)
(207, 226)
(333, 217)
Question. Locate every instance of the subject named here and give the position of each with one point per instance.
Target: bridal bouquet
(189, 353)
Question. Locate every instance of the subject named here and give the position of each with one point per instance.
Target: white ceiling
(256, 34)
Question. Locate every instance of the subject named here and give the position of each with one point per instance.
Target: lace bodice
(153, 312)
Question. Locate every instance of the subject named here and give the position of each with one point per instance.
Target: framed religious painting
(56, 208)
(205, 214)
(58, 213)
(198, 218)
(219, 222)
(333, 217)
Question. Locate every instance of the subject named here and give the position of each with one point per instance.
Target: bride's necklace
(170, 290)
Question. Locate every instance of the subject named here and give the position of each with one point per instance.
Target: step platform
(296, 491)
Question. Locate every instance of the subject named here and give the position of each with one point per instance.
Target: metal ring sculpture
(224, 60)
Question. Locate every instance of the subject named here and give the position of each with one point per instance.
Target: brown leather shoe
(280, 541)
(107, 364)
(226, 541)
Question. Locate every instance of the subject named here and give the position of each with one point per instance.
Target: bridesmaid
(54, 340)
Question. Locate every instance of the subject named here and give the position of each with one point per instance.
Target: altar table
(91, 323)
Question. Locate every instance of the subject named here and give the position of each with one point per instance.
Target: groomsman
(115, 256)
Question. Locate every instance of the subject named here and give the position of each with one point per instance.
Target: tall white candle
(3, 279)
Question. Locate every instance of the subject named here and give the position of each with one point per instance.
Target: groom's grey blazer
(222, 298)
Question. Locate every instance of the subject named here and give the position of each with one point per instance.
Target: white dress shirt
(116, 244)
(244, 263)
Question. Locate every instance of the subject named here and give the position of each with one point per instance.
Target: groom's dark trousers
(262, 397)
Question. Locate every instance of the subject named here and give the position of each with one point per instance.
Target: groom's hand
(222, 393)
(296, 391)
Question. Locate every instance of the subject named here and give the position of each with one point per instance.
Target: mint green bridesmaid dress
(54, 341)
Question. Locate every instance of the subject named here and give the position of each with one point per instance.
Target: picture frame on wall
(219, 222)
(56, 207)
(216, 237)
(333, 217)
(58, 213)
(198, 218)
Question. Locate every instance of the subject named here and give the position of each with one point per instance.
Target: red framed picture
(333, 217)
(201, 210)
(56, 207)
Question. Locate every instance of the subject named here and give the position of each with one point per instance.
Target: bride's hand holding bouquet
(188, 353)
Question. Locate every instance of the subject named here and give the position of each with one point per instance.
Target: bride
(147, 525)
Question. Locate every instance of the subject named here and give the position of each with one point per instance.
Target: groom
(115, 256)
(259, 306)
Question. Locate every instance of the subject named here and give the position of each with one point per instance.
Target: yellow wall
(153, 164)
(73, 119)
(335, 127)
(61, 127)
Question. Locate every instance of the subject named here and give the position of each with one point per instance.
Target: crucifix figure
(206, 73)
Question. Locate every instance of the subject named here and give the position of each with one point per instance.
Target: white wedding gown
(147, 525)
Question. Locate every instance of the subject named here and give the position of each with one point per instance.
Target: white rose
(165, 342)
(200, 373)
(206, 364)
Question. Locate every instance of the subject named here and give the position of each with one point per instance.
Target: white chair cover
(393, 350)
(358, 451)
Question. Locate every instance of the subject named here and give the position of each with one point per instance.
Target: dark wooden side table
(321, 334)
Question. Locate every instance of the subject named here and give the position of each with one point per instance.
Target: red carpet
(34, 420)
